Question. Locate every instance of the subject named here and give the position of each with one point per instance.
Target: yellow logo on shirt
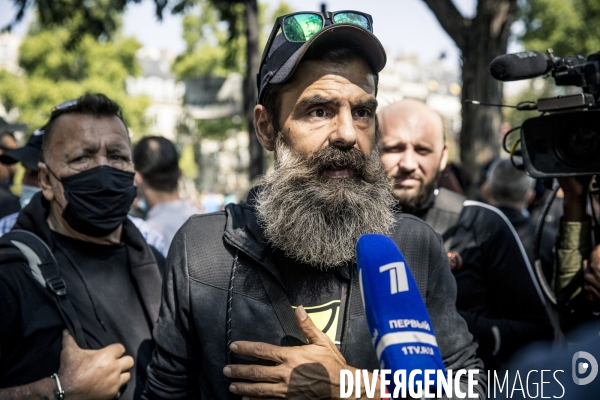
(325, 317)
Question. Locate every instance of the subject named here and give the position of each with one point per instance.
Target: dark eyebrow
(88, 149)
(369, 104)
(315, 101)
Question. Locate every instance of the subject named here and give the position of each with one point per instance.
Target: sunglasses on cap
(65, 104)
(300, 27)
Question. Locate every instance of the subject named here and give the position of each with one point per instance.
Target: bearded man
(497, 291)
(227, 326)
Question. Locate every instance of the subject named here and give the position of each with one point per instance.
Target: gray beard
(317, 220)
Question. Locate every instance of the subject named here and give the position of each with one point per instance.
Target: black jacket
(526, 229)
(215, 252)
(30, 323)
(497, 293)
(9, 203)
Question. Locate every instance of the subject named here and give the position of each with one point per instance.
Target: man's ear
(444, 160)
(44, 181)
(264, 129)
(485, 191)
(138, 180)
(529, 197)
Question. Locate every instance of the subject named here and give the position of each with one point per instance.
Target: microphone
(398, 321)
(523, 65)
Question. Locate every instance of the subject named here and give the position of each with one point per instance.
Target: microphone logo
(398, 278)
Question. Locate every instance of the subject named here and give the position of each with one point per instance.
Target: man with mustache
(28, 156)
(227, 326)
(497, 295)
(76, 321)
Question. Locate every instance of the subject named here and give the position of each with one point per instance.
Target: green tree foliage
(53, 75)
(267, 16)
(187, 163)
(218, 129)
(213, 47)
(569, 27)
(210, 50)
(98, 18)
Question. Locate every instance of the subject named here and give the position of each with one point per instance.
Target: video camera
(565, 139)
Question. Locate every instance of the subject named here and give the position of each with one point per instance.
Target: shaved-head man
(484, 251)
(414, 150)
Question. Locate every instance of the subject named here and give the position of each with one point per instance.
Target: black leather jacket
(213, 287)
(498, 295)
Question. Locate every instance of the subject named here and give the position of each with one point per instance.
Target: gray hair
(507, 184)
(315, 220)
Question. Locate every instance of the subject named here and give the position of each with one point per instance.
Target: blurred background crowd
(188, 99)
(185, 78)
(184, 71)
(182, 75)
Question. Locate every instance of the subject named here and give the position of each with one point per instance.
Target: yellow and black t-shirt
(320, 292)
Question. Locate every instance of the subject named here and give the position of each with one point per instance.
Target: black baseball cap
(28, 155)
(284, 56)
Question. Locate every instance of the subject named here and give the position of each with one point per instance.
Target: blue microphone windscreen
(400, 326)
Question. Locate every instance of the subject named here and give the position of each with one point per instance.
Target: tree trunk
(480, 40)
(250, 91)
(486, 39)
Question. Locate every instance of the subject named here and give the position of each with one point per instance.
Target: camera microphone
(523, 65)
(398, 321)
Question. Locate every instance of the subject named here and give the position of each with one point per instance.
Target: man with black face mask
(9, 203)
(112, 276)
(29, 156)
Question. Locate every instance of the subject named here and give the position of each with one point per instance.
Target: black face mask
(98, 199)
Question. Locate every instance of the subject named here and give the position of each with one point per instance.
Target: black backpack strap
(44, 268)
(445, 213)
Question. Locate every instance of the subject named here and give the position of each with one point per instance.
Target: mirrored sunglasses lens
(65, 104)
(301, 27)
(352, 18)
